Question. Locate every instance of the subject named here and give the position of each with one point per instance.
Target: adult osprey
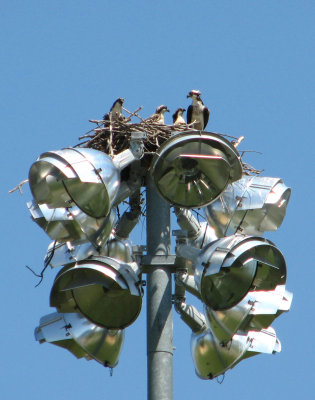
(197, 112)
(115, 113)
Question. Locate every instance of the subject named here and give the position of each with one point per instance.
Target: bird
(158, 116)
(178, 118)
(197, 111)
(115, 113)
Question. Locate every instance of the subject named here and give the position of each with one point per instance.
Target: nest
(114, 137)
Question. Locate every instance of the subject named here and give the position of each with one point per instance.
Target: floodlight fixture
(87, 178)
(227, 269)
(81, 337)
(192, 169)
(251, 205)
(68, 253)
(105, 290)
(110, 242)
(72, 224)
(213, 358)
(256, 311)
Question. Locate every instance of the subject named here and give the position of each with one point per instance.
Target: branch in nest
(132, 114)
(238, 141)
(19, 187)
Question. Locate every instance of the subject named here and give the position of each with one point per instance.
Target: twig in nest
(19, 187)
(248, 169)
(238, 141)
(132, 114)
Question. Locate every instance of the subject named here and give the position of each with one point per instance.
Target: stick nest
(114, 137)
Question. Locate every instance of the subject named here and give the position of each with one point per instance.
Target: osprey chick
(178, 116)
(197, 112)
(158, 116)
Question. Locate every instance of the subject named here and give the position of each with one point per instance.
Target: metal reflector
(212, 358)
(251, 205)
(229, 268)
(81, 337)
(103, 289)
(85, 177)
(256, 311)
(71, 224)
(191, 170)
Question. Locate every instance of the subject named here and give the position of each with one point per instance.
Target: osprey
(158, 116)
(178, 116)
(115, 113)
(197, 111)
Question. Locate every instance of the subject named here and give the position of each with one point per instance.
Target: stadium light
(212, 358)
(252, 205)
(71, 224)
(81, 337)
(105, 290)
(87, 178)
(191, 170)
(256, 311)
(225, 270)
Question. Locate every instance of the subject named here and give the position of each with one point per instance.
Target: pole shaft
(159, 300)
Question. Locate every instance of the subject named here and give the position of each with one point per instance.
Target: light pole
(159, 297)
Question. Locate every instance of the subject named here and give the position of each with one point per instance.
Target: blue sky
(65, 62)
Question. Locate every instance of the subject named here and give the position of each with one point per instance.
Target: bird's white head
(161, 109)
(120, 100)
(180, 111)
(194, 94)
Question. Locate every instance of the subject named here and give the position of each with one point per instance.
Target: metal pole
(159, 299)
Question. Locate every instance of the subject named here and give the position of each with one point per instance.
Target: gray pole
(159, 298)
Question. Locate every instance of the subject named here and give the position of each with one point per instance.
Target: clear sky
(65, 62)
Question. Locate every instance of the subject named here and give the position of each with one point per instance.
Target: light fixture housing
(256, 311)
(251, 205)
(227, 269)
(71, 224)
(105, 290)
(81, 337)
(212, 358)
(192, 169)
(87, 178)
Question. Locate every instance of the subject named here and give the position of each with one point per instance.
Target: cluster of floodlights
(238, 275)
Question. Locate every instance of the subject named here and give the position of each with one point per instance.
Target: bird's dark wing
(189, 114)
(206, 115)
(174, 116)
(152, 118)
(106, 119)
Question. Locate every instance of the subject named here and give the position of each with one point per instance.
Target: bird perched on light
(158, 116)
(178, 118)
(197, 111)
(115, 113)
